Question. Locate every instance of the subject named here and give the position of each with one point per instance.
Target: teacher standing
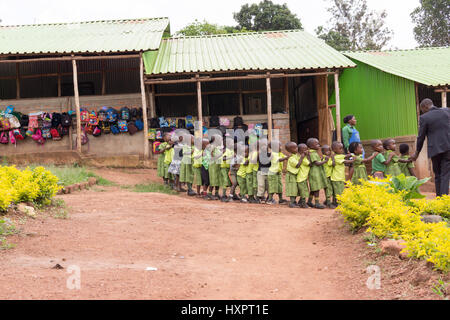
(349, 132)
(435, 125)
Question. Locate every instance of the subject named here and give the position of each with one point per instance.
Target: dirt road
(201, 249)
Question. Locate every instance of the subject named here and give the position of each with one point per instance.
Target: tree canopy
(354, 27)
(432, 20)
(266, 16)
(205, 28)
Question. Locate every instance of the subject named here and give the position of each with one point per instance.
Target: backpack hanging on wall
(238, 122)
(132, 129)
(12, 138)
(97, 132)
(56, 119)
(122, 124)
(214, 121)
(56, 133)
(24, 121)
(4, 138)
(139, 124)
(102, 115)
(189, 122)
(105, 127)
(37, 137)
(66, 119)
(19, 134)
(151, 134)
(162, 122)
(112, 115)
(154, 123)
(84, 137)
(84, 116)
(93, 119)
(181, 124)
(115, 129)
(4, 124)
(133, 113)
(156, 147)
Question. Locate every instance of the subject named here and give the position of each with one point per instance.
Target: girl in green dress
(162, 148)
(317, 177)
(359, 172)
(392, 168)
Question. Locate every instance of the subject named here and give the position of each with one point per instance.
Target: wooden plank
(286, 94)
(59, 82)
(152, 102)
(205, 93)
(323, 110)
(103, 78)
(246, 77)
(144, 108)
(17, 81)
(269, 107)
(241, 99)
(199, 106)
(338, 107)
(77, 104)
(69, 58)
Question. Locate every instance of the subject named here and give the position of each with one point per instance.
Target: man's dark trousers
(441, 169)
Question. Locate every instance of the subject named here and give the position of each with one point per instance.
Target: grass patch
(153, 187)
(101, 181)
(6, 228)
(59, 209)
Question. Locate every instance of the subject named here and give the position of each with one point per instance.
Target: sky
(312, 13)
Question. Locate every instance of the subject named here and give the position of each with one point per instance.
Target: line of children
(257, 169)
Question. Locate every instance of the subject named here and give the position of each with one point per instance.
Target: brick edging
(78, 186)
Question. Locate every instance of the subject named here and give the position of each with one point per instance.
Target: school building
(385, 90)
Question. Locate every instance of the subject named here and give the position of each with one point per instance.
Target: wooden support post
(151, 96)
(338, 107)
(269, 108)
(286, 95)
(241, 99)
(59, 79)
(17, 81)
(103, 78)
(77, 104)
(199, 105)
(144, 108)
(444, 99)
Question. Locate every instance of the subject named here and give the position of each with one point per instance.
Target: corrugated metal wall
(383, 104)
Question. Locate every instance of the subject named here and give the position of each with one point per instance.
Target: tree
(198, 28)
(432, 20)
(266, 16)
(354, 27)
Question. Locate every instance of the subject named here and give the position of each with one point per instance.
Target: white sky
(312, 13)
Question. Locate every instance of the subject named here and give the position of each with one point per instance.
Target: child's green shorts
(242, 182)
(167, 175)
(186, 173)
(303, 190)
(160, 167)
(329, 189)
(291, 185)
(255, 181)
(249, 179)
(338, 187)
(224, 178)
(197, 173)
(275, 183)
(214, 175)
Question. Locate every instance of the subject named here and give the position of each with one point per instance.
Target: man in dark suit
(435, 125)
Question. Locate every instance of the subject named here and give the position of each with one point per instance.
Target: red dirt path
(202, 250)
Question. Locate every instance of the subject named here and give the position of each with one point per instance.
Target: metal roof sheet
(274, 50)
(429, 66)
(83, 37)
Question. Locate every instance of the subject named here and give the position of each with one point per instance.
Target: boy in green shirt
(302, 175)
(317, 178)
(225, 181)
(251, 173)
(379, 162)
(328, 167)
(407, 168)
(291, 174)
(186, 169)
(197, 159)
(274, 177)
(242, 175)
(339, 160)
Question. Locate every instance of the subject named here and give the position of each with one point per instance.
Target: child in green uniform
(379, 162)
(263, 171)
(274, 177)
(214, 166)
(168, 156)
(317, 177)
(302, 175)
(253, 161)
(234, 167)
(162, 148)
(406, 167)
(255, 166)
(242, 175)
(225, 181)
(328, 167)
(339, 160)
(392, 167)
(197, 168)
(186, 169)
(206, 161)
(359, 171)
(291, 173)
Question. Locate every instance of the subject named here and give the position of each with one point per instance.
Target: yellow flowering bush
(439, 206)
(38, 185)
(373, 204)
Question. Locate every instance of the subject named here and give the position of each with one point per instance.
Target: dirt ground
(201, 249)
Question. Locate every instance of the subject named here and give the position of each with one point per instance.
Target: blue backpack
(139, 124)
(163, 122)
(115, 129)
(111, 115)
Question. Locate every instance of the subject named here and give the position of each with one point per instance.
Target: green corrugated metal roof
(275, 50)
(430, 66)
(83, 37)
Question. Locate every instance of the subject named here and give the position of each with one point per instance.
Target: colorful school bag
(38, 138)
(139, 124)
(123, 126)
(151, 134)
(102, 115)
(56, 133)
(5, 125)
(225, 122)
(66, 120)
(125, 113)
(84, 116)
(93, 119)
(189, 122)
(156, 147)
(115, 129)
(4, 138)
(163, 122)
(12, 138)
(112, 115)
(19, 134)
(159, 134)
(105, 127)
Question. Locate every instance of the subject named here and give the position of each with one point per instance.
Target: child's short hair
(352, 146)
(404, 148)
(310, 141)
(335, 144)
(386, 143)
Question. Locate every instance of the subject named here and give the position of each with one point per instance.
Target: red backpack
(4, 138)
(38, 137)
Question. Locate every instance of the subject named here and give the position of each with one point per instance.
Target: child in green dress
(317, 177)
(168, 156)
(225, 181)
(251, 173)
(214, 166)
(359, 172)
(234, 167)
(186, 169)
(303, 166)
(162, 148)
(291, 173)
(406, 167)
(197, 156)
(274, 178)
(339, 160)
(242, 173)
(328, 167)
(392, 167)
(379, 163)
